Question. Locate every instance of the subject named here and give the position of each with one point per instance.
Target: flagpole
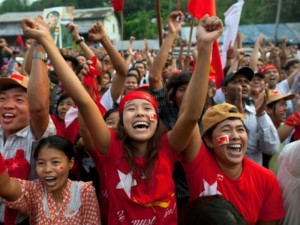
(122, 28)
(158, 18)
(191, 34)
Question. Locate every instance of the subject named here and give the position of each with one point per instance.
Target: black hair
(212, 210)
(56, 142)
(139, 62)
(290, 64)
(174, 82)
(137, 76)
(60, 99)
(109, 112)
(73, 61)
(54, 13)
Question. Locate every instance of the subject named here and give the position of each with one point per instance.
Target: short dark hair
(212, 210)
(175, 81)
(59, 143)
(54, 13)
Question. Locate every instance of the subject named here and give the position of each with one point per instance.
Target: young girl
(138, 159)
(53, 198)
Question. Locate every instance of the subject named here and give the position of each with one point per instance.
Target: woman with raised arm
(139, 159)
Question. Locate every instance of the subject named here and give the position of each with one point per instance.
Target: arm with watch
(79, 40)
(38, 91)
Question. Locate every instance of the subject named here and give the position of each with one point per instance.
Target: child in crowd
(53, 198)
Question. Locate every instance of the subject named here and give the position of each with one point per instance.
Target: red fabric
(293, 120)
(145, 201)
(137, 95)
(198, 8)
(70, 132)
(91, 81)
(20, 40)
(256, 193)
(118, 5)
(2, 164)
(17, 167)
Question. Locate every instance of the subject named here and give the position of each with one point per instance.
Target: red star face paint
(153, 117)
(223, 140)
(60, 167)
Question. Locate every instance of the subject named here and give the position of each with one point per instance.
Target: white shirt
(289, 181)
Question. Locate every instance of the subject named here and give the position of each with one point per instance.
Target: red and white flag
(223, 140)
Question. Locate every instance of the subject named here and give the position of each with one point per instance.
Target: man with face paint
(219, 167)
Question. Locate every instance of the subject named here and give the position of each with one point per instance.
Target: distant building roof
(79, 14)
(252, 32)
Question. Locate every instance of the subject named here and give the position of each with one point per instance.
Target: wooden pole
(159, 26)
(122, 28)
(191, 34)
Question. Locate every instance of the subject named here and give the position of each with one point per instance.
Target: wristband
(81, 39)
(2, 164)
(293, 120)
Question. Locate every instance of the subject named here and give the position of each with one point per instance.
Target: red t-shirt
(256, 194)
(98, 159)
(133, 199)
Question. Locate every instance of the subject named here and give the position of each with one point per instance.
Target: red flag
(198, 8)
(118, 5)
(20, 41)
(223, 140)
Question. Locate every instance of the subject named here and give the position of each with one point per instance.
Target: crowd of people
(98, 136)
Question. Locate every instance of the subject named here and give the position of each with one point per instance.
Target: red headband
(137, 95)
(264, 69)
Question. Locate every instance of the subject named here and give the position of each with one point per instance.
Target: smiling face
(63, 107)
(14, 112)
(277, 112)
(131, 83)
(140, 120)
(229, 153)
(272, 78)
(52, 168)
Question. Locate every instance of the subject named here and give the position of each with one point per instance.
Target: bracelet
(40, 56)
(2, 164)
(80, 40)
(229, 57)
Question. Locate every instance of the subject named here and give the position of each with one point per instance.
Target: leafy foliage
(139, 13)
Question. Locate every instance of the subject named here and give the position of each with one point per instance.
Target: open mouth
(234, 148)
(141, 125)
(50, 181)
(8, 117)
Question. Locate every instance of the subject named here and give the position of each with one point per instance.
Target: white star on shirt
(210, 189)
(126, 182)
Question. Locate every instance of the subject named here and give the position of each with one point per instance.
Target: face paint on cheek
(224, 139)
(153, 117)
(60, 167)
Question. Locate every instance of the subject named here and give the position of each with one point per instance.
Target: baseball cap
(275, 96)
(219, 113)
(258, 74)
(247, 71)
(14, 79)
